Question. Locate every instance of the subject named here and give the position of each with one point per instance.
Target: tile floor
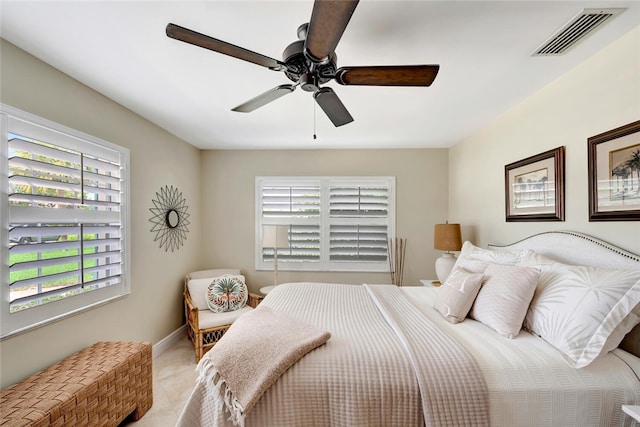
(173, 379)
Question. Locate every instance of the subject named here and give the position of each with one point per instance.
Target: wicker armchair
(204, 327)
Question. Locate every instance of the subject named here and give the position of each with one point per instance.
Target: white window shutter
(65, 196)
(335, 224)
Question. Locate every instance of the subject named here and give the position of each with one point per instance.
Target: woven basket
(98, 386)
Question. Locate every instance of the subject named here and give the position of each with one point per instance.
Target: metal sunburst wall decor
(170, 218)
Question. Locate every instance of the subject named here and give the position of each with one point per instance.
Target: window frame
(325, 183)
(33, 317)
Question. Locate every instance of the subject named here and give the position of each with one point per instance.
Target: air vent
(576, 30)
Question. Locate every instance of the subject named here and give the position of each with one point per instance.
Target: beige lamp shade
(446, 237)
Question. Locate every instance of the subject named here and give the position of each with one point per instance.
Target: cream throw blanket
(258, 348)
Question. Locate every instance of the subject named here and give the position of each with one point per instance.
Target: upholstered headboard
(575, 248)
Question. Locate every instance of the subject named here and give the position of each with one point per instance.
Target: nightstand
(633, 411)
(266, 289)
(430, 283)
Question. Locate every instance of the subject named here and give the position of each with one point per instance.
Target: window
(334, 223)
(64, 206)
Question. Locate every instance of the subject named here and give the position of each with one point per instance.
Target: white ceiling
(119, 48)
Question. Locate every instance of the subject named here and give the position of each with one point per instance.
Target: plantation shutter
(65, 216)
(358, 223)
(297, 206)
(334, 223)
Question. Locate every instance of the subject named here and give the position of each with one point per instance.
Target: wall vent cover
(576, 30)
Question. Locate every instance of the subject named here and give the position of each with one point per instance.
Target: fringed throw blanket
(258, 348)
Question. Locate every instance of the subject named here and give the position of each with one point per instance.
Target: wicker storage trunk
(98, 386)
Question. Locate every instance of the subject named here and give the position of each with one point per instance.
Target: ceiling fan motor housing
(300, 67)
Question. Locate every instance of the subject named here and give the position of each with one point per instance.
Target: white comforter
(358, 378)
(530, 384)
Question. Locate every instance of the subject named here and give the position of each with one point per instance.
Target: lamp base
(444, 265)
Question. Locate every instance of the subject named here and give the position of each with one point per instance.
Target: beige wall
(153, 310)
(219, 189)
(228, 204)
(601, 94)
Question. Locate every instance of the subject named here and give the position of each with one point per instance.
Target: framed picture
(614, 174)
(534, 187)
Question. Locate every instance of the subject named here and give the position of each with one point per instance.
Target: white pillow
(198, 290)
(456, 295)
(535, 259)
(504, 298)
(577, 309)
(623, 328)
(476, 260)
(619, 333)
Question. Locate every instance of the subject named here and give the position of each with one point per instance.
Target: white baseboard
(165, 343)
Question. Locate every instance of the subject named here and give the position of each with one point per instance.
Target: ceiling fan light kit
(311, 61)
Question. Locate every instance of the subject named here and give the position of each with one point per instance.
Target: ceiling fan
(311, 60)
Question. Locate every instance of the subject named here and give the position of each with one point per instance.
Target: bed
(395, 360)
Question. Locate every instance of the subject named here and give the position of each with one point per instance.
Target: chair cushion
(208, 319)
(216, 272)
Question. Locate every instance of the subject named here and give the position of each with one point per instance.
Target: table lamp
(446, 237)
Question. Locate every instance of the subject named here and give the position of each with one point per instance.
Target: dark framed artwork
(614, 174)
(534, 187)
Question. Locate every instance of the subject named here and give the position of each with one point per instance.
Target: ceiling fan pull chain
(314, 119)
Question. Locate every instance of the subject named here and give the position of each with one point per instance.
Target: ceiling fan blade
(329, 19)
(392, 75)
(192, 37)
(264, 98)
(332, 106)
